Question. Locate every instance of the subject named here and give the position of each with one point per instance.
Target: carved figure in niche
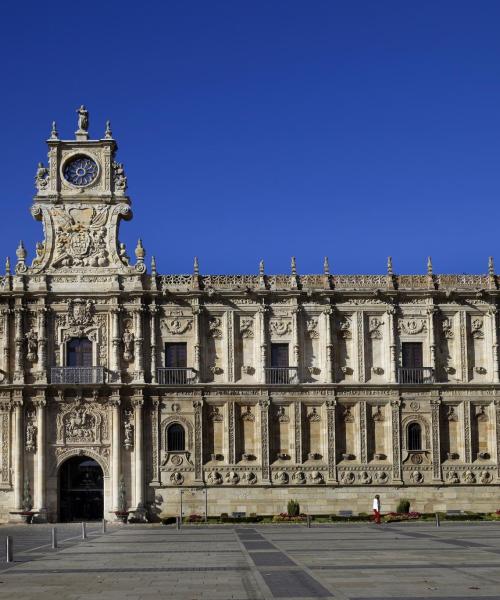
(481, 414)
(122, 253)
(41, 177)
(32, 345)
(378, 415)
(447, 328)
(232, 477)
(477, 328)
(214, 327)
(347, 415)
(177, 478)
(451, 415)
(300, 477)
(215, 478)
(39, 254)
(281, 414)
(365, 478)
(247, 415)
(282, 477)
(31, 431)
(316, 477)
(313, 415)
(348, 477)
(80, 426)
(250, 478)
(83, 119)
(469, 477)
(215, 414)
(382, 477)
(246, 328)
(128, 437)
(128, 345)
(374, 326)
(485, 477)
(345, 328)
(119, 177)
(312, 328)
(453, 477)
(416, 477)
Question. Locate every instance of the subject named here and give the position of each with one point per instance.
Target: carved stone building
(123, 389)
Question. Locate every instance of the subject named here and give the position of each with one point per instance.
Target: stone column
(331, 441)
(198, 440)
(18, 451)
(359, 340)
(138, 403)
(155, 438)
(231, 437)
(431, 311)
(139, 345)
(362, 432)
(153, 324)
(463, 360)
(116, 343)
(297, 409)
(42, 343)
(296, 340)
(261, 318)
(230, 367)
(497, 434)
(397, 469)
(197, 342)
(115, 450)
(264, 441)
(19, 345)
(435, 441)
(493, 310)
(391, 313)
(327, 312)
(6, 342)
(467, 433)
(41, 468)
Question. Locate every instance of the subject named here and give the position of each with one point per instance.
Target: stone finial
(326, 266)
(140, 253)
(429, 265)
(153, 266)
(21, 258)
(196, 266)
(53, 133)
(390, 270)
(491, 266)
(7, 266)
(261, 267)
(108, 134)
(293, 265)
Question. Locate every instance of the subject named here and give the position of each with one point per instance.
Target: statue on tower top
(83, 119)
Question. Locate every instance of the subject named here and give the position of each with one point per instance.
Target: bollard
(84, 531)
(309, 521)
(178, 522)
(104, 525)
(54, 538)
(9, 549)
(438, 524)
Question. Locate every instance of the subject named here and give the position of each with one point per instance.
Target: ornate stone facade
(345, 419)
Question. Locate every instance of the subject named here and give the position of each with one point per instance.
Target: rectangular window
(412, 355)
(176, 355)
(279, 355)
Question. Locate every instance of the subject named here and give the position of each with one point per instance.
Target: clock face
(80, 171)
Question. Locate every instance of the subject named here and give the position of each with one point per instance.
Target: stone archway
(80, 489)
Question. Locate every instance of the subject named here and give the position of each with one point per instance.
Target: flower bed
(394, 517)
(286, 518)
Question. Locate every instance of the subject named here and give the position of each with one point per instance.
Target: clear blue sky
(254, 129)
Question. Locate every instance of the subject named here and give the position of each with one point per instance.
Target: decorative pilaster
(19, 345)
(397, 469)
(297, 409)
(18, 449)
(6, 345)
(331, 443)
(467, 433)
(198, 440)
(230, 346)
(40, 500)
(153, 325)
(139, 345)
(264, 440)
(115, 342)
(435, 440)
(42, 343)
(115, 449)
(155, 438)
(362, 432)
(360, 346)
(497, 434)
(138, 403)
(391, 313)
(464, 366)
(493, 310)
(327, 317)
(431, 311)
(261, 318)
(296, 339)
(231, 441)
(197, 340)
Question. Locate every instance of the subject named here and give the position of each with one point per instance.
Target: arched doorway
(81, 490)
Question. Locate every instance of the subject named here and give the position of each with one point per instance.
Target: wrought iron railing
(282, 375)
(77, 375)
(415, 375)
(176, 376)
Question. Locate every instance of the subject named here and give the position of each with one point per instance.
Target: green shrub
(293, 508)
(403, 506)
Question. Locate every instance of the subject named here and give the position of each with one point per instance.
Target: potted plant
(122, 513)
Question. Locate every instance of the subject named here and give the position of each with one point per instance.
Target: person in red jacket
(376, 509)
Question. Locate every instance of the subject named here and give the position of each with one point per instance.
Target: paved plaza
(399, 561)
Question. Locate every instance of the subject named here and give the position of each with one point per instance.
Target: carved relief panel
(312, 350)
(375, 348)
(477, 356)
(345, 348)
(245, 359)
